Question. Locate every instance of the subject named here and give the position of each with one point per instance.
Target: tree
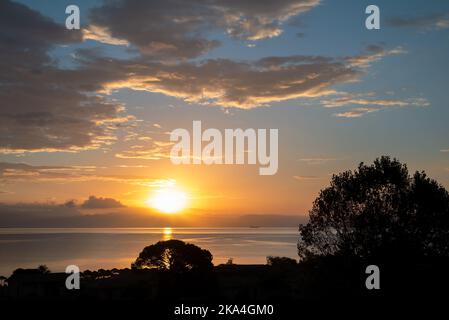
(43, 269)
(281, 261)
(3, 281)
(378, 211)
(174, 255)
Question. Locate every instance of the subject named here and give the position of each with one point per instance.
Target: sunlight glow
(168, 200)
(167, 234)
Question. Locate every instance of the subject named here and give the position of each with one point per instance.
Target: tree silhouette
(281, 261)
(378, 211)
(174, 255)
(43, 269)
(3, 281)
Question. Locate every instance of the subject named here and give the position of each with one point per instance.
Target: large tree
(378, 211)
(174, 255)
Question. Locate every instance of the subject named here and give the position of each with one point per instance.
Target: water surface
(95, 248)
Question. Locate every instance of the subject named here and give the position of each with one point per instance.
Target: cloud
(341, 102)
(317, 160)
(53, 215)
(347, 99)
(70, 204)
(444, 150)
(5, 166)
(12, 171)
(44, 107)
(151, 150)
(262, 19)
(49, 108)
(355, 113)
(156, 152)
(436, 21)
(367, 103)
(20, 172)
(177, 29)
(19, 212)
(306, 178)
(101, 34)
(243, 84)
(101, 203)
(373, 53)
(228, 83)
(149, 142)
(22, 27)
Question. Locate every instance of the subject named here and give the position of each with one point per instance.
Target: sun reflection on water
(167, 234)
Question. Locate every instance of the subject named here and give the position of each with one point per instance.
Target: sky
(86, 114)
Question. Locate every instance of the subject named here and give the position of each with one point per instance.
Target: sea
(107, 248)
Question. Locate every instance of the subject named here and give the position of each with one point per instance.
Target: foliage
(174, 255)
(378, 211)
(280, 261)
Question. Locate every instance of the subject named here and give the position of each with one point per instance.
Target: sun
(168, 200)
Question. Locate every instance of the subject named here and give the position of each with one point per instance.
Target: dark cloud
(224, 82)
(101, 203)
(70, 204)
(24, 211)
(254, 20)
(47, 215)
(18, 172)
(243, 84)
(26, 35)
(22, 171)
(5, 166)
(157, 28)
(48, 108)
(178, 29)
(44, 107)
(429, 21)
